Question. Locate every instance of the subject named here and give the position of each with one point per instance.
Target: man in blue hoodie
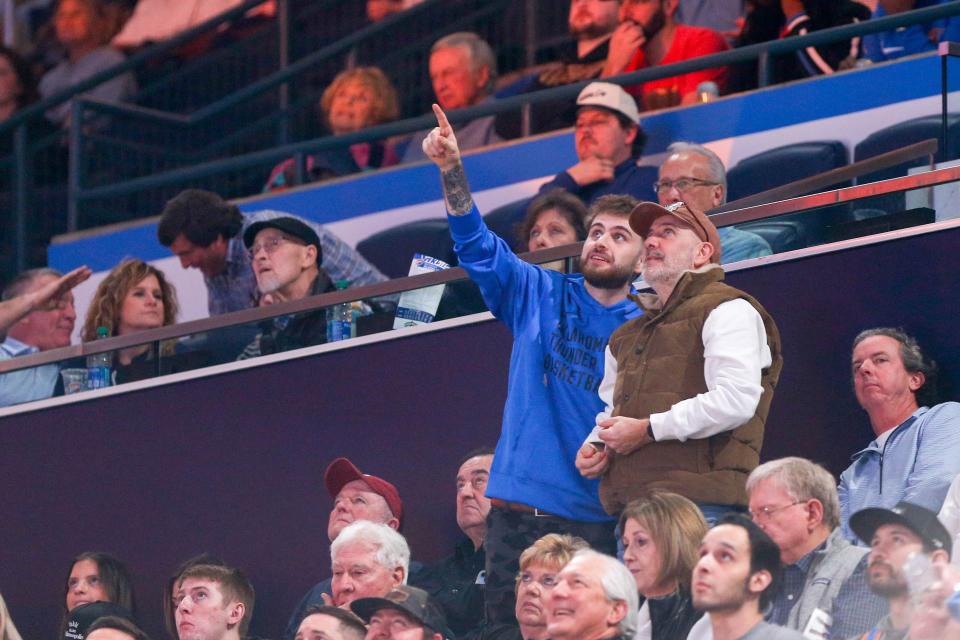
(560, 325)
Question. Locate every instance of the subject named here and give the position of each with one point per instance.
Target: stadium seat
(504, 219)
(781, 235)
(392, 249)
(901, 135)
(783, 165)
(780, 166)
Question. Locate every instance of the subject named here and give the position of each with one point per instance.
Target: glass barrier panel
(864, 216)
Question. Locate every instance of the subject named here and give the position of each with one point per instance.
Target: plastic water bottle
(340, 318)
(100, 365)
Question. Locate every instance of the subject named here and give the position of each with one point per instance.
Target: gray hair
(718, 172)
(803, 480)
(481, 55)
(392, 549)
(22, 281)
(914, 361)
(618, 584)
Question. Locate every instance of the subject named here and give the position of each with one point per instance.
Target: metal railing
(399, 285)
(167, 173)
(18, 125)
(263, 118)
(81, 192)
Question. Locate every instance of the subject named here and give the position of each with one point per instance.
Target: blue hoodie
(559, 336)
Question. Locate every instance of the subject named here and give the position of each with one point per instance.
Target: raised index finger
(442, 121)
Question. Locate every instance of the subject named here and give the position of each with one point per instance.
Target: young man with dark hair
(115, 628)
(738, 572)
(405, 613)
(213, 603)
(560, 325)
(896, 535)
(324, 622)
(205, 232)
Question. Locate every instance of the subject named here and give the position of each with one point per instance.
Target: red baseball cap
(341, 471)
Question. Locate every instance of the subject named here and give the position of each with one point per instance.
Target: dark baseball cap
(85, 615)
(289, 225)
(341, 471)
(645, 213)
(415, 602)
(921, 521)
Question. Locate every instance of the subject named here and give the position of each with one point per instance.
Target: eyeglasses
(764, 513)
(547, 580)
(269, 245)
(681, 185)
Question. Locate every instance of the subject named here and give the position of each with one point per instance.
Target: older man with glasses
(686, 386)
(696, 175)
(286, 257)
(824, 591)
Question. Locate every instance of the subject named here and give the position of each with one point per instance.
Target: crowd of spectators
(607, 38)
(660, 522)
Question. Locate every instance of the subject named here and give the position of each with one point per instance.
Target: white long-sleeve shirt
(735, 352)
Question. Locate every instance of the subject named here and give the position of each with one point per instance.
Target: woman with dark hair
(134, 297)
(95, 576)
(661, 537)
(553, 219)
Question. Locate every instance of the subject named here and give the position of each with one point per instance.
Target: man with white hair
(595, 598)
(357, 496)
(37, 314)
(824, 588)
(369, 560)
(463, 72)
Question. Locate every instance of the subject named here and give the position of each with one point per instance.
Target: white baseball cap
(609, 96)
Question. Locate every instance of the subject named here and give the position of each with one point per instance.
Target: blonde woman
(356, 99)
(661, 537)
(134, 297)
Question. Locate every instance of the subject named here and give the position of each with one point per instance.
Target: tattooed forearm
(456, 191)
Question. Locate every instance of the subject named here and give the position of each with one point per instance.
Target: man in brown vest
(687, 386)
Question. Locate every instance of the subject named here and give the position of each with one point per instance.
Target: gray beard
(269, 284)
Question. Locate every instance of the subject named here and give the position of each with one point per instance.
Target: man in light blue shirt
(916, 452)
(48, 326)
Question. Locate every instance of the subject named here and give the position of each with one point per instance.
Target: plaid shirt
(235, 288)
(855, 609)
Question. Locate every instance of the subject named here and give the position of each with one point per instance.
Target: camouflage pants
(509, 533)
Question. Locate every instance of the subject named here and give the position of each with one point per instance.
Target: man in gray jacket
(824, 592)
